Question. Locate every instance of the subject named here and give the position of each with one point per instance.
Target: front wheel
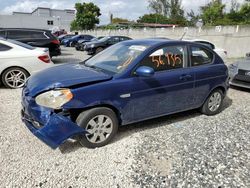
(213, 104)
(14, 77)
(101, 125)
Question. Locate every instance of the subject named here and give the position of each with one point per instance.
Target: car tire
(14, 77)
(99, 134)
(98, 50)
(72, 44)
(213, 104)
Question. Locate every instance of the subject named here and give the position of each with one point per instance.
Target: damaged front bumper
(51, 128)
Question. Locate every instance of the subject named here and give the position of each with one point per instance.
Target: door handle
(185, 77)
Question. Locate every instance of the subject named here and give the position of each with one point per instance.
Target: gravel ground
(183, 150)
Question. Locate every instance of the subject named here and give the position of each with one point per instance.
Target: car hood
(63, 76)
(244, 64)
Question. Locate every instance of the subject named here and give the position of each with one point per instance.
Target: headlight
(54, 99)
(233, 68)
(92, 46)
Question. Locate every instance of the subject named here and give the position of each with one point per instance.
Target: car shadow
(66, 60)
(240, 89)
(124, 131)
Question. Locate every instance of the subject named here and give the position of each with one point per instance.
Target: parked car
(239, 73)
(129, 82)
(81, 43)
(221, 52)
(66, 36)
(71, 42)
(18, 61)
(98, 46)
(34, 37)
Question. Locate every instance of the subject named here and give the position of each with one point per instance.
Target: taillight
(55, 41)
(44, 58)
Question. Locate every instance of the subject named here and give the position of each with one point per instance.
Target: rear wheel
(213, 104)
(101, 125)
(14, 77)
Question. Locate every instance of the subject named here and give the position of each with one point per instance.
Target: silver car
(239, 73)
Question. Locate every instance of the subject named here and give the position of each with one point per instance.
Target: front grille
(241, 76)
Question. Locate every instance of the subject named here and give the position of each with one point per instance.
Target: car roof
(155, 41)
(26, 29)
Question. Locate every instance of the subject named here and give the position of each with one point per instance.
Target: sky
(130, 9)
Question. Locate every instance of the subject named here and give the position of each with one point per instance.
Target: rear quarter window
(200, 56)
(4, 47)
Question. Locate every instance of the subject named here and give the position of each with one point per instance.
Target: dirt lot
(183, 150)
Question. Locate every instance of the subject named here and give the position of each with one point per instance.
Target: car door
(208, 73)
(169, 90)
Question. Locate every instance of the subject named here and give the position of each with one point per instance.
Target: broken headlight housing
(54, 99)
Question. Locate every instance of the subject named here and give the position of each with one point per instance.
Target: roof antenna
(183, 35)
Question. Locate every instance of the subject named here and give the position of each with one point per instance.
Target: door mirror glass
(144, 71)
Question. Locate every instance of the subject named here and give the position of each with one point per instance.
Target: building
(40, 18)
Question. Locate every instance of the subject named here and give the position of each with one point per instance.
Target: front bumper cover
(50, 127)
(57, 129)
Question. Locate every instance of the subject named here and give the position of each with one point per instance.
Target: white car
(18, 61)
(221, 52)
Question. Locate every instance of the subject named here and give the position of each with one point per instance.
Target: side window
(37, 35)
(4, 47)
(167, 58)
(200, 56)
(17, 34)
(123, 39)
(2, 34)
(114, 40)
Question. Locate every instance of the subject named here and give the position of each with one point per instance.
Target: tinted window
(167, 58)
(2, 34)
(201, 56)
(17, 34)
(123, 38)
(22, 44)
(4, 47)
(88, 37)
(114, 40)
(208, 44)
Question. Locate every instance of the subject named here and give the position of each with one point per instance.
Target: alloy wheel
(214, 101)
(99, 129)
(15, 78)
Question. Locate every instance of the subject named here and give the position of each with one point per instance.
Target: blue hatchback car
(129, 82)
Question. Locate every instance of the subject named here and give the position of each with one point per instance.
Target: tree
(193, 18)
(153, 18)
(87, 16)
(159, 6)
(177, 13)
(213, 12)
(119, 20)
(171, 9)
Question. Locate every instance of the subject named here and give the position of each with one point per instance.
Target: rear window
(21, 44)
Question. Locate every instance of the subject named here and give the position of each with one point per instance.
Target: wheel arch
(74, 113)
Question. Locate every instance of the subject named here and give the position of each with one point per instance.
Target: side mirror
(144, 71)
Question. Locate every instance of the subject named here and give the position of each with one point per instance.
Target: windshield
(116, 58)
(21, 44)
